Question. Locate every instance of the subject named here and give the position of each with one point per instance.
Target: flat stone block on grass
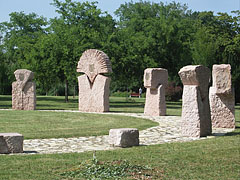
(11, 143)
(124, 137)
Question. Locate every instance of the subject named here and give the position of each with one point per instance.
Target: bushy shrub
(173, 92)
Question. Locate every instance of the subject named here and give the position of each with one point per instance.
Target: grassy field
(117, 104)
(42, 124)
(215, 158)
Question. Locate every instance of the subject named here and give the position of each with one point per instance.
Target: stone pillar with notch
(221, 97)
(196, 118)
(23, 90)
(155, 80)
(93, 85)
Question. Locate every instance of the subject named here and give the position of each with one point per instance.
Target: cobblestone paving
(167, 131)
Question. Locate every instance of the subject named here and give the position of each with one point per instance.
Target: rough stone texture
(155, 104)
(11, 143)
(94, 87)
(221, 75)
(124, 137)
(94, 62)
(26, 99)
(23, 91)
(153, 77)
(94, 97)
(222, 97)
(196, 118)
(155, 80)
(196, 75)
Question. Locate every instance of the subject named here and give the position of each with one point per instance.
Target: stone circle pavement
(167, 131)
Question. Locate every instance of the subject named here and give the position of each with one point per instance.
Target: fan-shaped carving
(94, 62)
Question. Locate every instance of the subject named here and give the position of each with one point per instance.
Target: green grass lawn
(215, 158)
(42, 124)
(117, 104)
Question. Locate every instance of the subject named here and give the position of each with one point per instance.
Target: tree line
(140, 35)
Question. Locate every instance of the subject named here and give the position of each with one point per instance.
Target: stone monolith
(93, 85)
(23, 90)
(196, 118)
(155, 80)
(221, 97)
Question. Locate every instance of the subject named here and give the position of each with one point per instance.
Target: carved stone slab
(94, 62)
(153, 77)
(222, 80)
(94, 97)
(155, 104)
(222, 101)
(196, 118)
(23, 91)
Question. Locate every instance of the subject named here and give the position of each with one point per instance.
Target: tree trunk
(74, 92)
(66, 90)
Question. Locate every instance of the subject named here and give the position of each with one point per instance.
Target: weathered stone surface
(222, 97)
(23, 91)
(153, 77)
(196, 75)
(196, 120)
(3, 146)
(94, 62)
(124, 137)
(155, 104)
(221, 75)
(11, 143)
(155, 80)
(195, 108)
(26, 99)
(94, 87)
(222, 109)
(94, 97)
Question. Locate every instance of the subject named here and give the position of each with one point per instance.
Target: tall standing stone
(93, 85)
(155, 80)
(222, 97)
(23, 90)
(196, 118)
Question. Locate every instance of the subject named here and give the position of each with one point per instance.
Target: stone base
(196, 120)
(124, 137)
(155, 104)
(222, 109)
(11, 143)
(94, 97)
(26, 99)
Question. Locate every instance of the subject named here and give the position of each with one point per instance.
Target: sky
(43, 7)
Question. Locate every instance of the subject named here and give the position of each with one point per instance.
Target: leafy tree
(151, 35)
(81, 26)
(19, 38)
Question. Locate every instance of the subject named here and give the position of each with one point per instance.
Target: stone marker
(196, 118)
(93, 86)
(124, 137)
(155, 80)
(221, 97)
(11, 143)
(23, 90)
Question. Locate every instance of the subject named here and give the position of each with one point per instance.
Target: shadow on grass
(174, 107)
(55, 99)
(6, 106)
(127, 106)
(232, 133)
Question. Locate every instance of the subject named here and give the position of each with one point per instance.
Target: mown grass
(215, 158)
(44, 124)
(117, 104)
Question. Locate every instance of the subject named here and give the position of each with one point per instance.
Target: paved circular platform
(167, 131)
